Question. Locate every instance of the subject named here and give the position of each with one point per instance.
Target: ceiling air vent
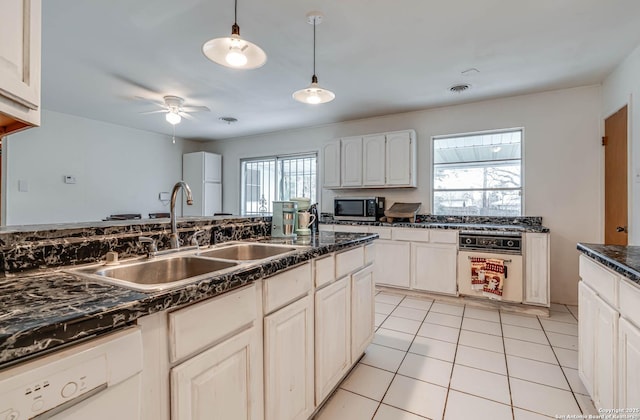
(228, 120)
(459, 88)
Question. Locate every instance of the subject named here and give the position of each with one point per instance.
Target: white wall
(117, 170)
(620, 88)
(562, 159)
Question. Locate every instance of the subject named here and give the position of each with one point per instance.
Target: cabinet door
(288, 362)
(225, 380)
(362, 311)
(586, 335)
(331, 164)
(333, 336)
(606, 355)
(536, 260)
(433, 267)
(351, 162)
(392, 263)
(212, 167)
(373, 156)
(400, 159)
(628, 365)
(20, 60)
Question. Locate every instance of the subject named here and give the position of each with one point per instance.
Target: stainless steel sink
(158, 274)
(246, 252)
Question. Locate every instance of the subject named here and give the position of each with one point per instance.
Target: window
(478, 174)
(265, 180)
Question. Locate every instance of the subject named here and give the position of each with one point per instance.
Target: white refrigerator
(203, 172)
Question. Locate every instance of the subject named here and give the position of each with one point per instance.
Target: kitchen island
(609, 325)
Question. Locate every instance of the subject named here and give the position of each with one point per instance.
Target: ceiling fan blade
(154, 112)
(186, 116)
(150, 101)
(195, 109)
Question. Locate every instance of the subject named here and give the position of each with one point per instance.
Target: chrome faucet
(174, 240)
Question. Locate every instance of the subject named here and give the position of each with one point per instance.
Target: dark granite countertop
(454, 226)
(42, 311)
(622, 259)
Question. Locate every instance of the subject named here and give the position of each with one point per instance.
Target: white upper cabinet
(351, 162)
(401, 159)
(331, 164)
(384, 160)
(212, 167)
(373, 154)
(19, 65)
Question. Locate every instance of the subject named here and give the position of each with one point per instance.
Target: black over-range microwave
(366, 209)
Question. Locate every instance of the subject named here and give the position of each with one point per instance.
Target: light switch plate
(69, 179)
(163, 196)
(23, 185)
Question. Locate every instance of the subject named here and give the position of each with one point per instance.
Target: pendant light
(233, 51)
(314, 94)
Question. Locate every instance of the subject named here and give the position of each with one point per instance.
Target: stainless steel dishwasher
(98, 380)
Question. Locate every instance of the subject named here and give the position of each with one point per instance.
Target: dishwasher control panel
(37, 395)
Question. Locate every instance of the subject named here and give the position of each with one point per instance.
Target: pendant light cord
(235, 13)
(314, 47)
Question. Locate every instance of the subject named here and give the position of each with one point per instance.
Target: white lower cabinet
(220, 381)
(288, 362)
(362, 311)
(333, 335)
(598, 343)
(629, 363)
(433, 267)
(392, 263)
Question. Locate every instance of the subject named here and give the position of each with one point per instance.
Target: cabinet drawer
(600, 279)
(200, 325)
(325, 228)
(325, 270)
(383, 232)
(410, 234)
(349, 261)
(369, 253)
(630, 302)
(351, 228)
(286, 287)
(443, 236)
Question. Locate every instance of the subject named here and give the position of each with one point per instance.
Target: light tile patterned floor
(439, 360)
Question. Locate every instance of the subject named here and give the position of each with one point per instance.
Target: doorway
(615, 179)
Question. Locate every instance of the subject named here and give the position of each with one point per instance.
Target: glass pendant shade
(314, 94)
(234, 52)
(173, 118)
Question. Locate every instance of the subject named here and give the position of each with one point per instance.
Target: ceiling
(379, 57)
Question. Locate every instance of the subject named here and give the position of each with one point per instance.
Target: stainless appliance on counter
(359, 209)
(506, 246)
(284, 219)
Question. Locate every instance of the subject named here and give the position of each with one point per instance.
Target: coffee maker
(284, 220)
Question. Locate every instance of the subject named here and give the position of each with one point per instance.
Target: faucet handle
(194, 238)
(152, 246)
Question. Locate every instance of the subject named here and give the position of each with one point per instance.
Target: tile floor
(437, 360)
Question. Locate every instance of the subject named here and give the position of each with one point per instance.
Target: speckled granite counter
(622, 259)
(42, 311)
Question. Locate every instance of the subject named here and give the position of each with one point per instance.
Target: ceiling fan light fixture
(233, 51)
(173, 117)
(314, 94)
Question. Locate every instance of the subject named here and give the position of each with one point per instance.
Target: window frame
(475, 133)
(276, 158)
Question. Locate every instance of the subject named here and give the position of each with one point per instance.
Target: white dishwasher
(98, 380)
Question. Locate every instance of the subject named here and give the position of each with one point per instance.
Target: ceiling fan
(173, 107)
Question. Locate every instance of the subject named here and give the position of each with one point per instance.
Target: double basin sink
(174, 270)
